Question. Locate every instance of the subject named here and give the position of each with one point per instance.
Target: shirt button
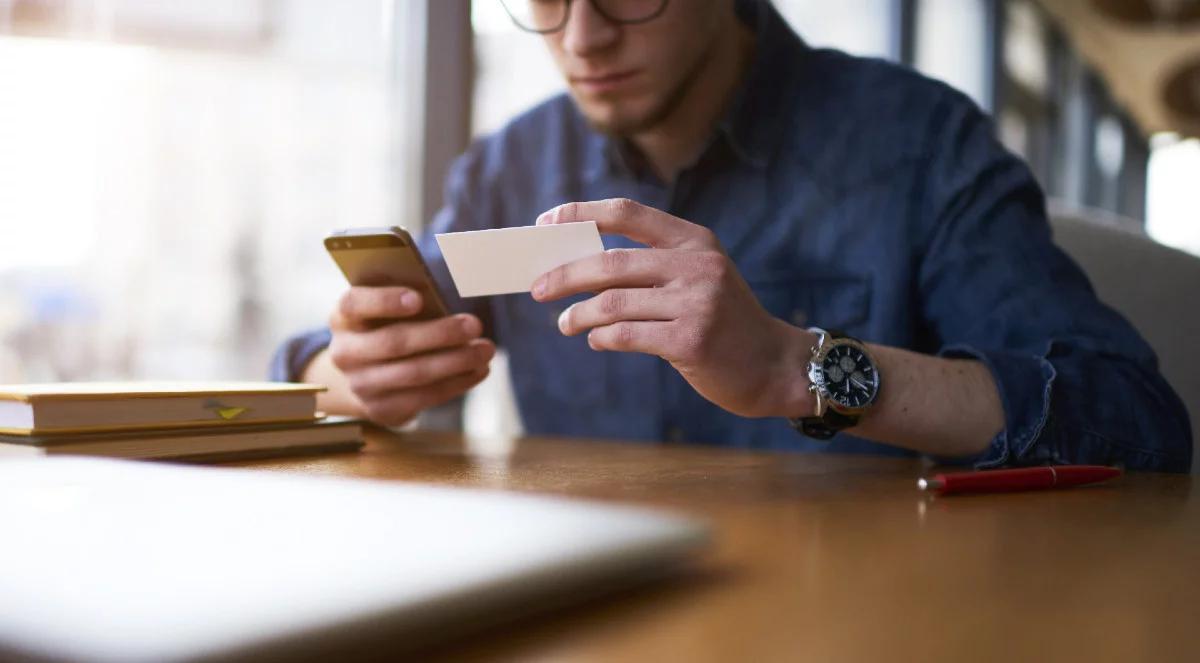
(799, 317)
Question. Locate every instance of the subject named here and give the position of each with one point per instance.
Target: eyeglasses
(546, 16)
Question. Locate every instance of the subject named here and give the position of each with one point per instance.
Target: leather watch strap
(823, 428)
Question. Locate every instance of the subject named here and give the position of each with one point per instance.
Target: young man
(751, 186)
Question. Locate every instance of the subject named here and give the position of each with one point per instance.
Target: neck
(676, 142)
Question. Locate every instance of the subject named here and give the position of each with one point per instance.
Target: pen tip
(930, 485)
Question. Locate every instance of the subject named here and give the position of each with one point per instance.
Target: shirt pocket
(545, 363)
(831, 301)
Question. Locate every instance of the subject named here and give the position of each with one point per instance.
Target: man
(749, 186)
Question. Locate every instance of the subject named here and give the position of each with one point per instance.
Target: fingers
(634, 336)
(351, 350)
(396, 408)
(609, 269)
(360, 305)
(621, 304)
(621, 216)
(376, 380)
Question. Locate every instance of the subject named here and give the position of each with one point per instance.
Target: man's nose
(587, 32)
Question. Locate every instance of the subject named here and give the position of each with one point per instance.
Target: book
(204, 444)
(81, 407)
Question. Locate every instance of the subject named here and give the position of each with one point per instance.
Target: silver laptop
(105, 560)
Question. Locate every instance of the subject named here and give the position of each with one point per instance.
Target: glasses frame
(662, 7)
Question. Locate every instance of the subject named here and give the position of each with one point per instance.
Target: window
(1027, 103)
(167, 172)
(952, 38)
(513, 70)
(1172, 211)
(860, 27)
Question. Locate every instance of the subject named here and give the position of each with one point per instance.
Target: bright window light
(951, 37)
(52, 173)
(861, 27)
(1172, 208)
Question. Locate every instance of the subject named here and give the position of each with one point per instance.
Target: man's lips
(608, 82)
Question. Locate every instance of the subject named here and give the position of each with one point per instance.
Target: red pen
(1023, 478)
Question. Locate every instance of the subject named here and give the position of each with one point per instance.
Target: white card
(508, 260)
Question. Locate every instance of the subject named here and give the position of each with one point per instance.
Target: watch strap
(825, 427)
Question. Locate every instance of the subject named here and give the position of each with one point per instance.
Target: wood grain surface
(837, 558)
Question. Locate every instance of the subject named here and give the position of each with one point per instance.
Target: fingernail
(539, 288)
(562, 318)
(410, 300)
(468, 326)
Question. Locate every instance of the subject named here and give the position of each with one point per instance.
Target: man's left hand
(683, 300)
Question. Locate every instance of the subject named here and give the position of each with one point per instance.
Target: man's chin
(619, 121)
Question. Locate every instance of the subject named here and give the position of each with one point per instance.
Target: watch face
(850, 377)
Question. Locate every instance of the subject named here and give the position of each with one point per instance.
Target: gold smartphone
(386, 256)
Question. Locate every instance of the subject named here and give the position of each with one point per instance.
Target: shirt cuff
(293, 356)
(1024, 383)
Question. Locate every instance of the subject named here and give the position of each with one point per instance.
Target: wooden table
(839, 558)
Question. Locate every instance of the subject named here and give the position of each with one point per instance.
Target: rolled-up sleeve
(291, 358)
(1025, 383)
(1077, 382)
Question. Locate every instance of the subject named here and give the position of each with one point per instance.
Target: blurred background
(168, 169)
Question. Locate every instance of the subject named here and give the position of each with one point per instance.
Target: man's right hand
(391, 367)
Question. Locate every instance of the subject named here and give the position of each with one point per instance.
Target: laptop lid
(132, 561)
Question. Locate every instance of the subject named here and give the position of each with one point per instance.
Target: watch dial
(850, 378)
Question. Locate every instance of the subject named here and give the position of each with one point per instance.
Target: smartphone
(386, 256)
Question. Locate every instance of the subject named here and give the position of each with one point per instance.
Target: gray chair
(1156, 287)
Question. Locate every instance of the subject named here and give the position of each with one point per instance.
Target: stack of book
(195, 421)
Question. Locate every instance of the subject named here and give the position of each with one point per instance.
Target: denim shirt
(851, 194)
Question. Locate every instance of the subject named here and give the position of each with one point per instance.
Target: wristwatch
(845, 381)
